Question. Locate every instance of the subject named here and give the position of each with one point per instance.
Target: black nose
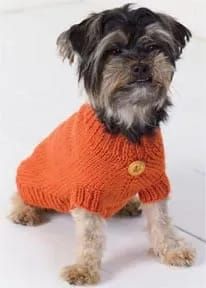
(141, 72)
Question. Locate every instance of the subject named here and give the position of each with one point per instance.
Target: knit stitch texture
(80, 164)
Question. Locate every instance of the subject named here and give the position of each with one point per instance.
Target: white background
(37, 91)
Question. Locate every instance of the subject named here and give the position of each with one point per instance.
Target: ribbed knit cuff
(156, 192)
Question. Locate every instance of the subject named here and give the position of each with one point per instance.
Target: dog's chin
(135, 109)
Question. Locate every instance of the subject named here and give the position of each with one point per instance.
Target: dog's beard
(134, 111)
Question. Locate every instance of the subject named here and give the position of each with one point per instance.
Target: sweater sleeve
(156, 191)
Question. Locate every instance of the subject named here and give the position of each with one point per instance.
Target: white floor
(37, 91)
(32, 257)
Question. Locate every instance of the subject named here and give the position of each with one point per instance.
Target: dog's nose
(141, 72)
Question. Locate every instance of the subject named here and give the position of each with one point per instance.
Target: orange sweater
(82, 165)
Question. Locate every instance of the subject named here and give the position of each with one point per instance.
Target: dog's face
(126, 60)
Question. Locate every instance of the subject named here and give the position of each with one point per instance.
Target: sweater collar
(114, 147)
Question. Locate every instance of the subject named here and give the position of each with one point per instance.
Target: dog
(126, 59)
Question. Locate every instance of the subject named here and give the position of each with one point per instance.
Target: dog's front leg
(90, 241)
(165, 243)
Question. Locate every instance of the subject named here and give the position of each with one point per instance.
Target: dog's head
(126, 58)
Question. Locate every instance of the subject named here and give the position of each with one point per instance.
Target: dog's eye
(116, 51)
(151, 48)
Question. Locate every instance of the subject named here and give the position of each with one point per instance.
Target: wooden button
(136, 168)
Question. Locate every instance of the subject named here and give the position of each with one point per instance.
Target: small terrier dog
(126, 59)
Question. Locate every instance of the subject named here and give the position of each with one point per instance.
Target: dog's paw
(27, 216)
(131, 209)
(80, 275)
(180, 256)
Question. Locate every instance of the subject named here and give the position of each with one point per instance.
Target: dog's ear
(81, 38)
(180, 33)
(65, 46)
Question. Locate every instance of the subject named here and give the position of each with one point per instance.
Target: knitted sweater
(82, 165)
